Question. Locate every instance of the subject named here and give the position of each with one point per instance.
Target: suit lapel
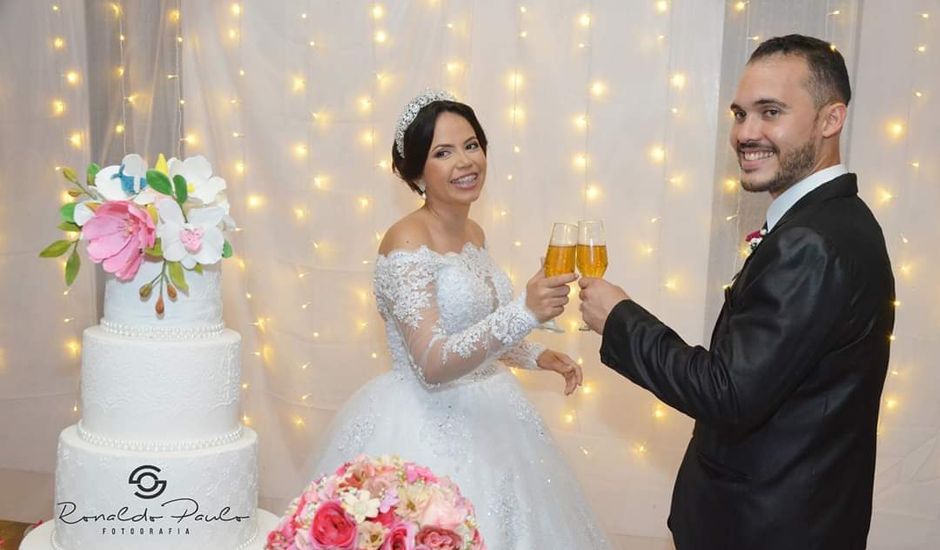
(845, 185)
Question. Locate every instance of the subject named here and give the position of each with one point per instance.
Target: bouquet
(378, 504)
(174, 213)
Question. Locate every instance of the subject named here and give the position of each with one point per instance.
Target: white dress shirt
(791, 196)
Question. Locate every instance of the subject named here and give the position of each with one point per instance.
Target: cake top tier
(197, 312)
(159, 235)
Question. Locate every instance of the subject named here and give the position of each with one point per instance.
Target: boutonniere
(754, 239)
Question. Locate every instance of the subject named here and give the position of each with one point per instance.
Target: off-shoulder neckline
(425, 249)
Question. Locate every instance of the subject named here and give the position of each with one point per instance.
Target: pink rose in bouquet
(443, 512)
(117, 236)
(400, 537)
(333, 528)
(436, 538)
(378, 504)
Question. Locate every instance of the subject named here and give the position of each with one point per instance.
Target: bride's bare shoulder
(408, 233)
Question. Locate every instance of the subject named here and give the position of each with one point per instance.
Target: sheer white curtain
(895, 141)
(79, 82)
(599, 109)
(596, 109)
(43, 125)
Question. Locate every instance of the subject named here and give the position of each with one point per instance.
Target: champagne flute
(592, 252)
(559, 259)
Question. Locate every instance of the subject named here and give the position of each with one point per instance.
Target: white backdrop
(602, 109)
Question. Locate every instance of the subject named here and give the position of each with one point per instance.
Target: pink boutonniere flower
(754, 239)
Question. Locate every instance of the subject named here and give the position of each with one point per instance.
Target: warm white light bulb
(895, 129)
(658, 154)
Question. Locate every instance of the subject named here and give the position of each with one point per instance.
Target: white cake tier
(143, 394)
(197, 313)
(41, 538)
(109, 499)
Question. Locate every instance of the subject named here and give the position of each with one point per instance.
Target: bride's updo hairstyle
(416, 131)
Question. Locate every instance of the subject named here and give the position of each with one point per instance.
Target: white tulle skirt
(486, 436)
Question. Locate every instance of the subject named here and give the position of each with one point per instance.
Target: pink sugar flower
(117, 236)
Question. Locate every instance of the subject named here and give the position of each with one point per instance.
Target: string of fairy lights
(901, 247)
(121, 73)
(65, 102)
(515, 81)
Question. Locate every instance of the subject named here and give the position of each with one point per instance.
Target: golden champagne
(592, 260)
(559, 260)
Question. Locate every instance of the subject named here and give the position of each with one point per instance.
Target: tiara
(411, 110)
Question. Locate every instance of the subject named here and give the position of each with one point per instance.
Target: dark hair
(829, 80)
(419, 135)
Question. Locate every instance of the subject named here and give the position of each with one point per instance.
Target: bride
(452, 325)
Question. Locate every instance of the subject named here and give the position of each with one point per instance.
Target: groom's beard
(795, 166)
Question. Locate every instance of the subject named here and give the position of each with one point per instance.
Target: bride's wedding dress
(450, 403)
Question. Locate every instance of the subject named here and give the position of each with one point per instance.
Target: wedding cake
(160, 458)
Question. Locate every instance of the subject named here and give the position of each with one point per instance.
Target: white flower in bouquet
(197, 239)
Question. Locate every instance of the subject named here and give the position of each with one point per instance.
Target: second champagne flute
(592, 252)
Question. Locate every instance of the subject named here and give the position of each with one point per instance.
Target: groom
(785, 399)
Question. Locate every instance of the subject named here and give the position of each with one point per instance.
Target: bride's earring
(421, 186)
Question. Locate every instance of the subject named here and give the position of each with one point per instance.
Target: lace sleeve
(406, 291)
(524, 355)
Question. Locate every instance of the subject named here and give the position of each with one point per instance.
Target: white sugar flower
(126, 181)
(201, 184)
(83, 212)
(198, 240)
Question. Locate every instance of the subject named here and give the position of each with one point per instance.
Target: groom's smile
(751, 160)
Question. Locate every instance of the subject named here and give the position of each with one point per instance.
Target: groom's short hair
(829, 79)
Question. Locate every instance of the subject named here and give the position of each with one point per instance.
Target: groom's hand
(598, 297)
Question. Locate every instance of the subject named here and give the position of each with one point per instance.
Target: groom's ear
(833, 118)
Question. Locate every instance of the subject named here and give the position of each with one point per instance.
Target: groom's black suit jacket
(785, 400)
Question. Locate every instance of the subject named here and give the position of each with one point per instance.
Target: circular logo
(148, 484)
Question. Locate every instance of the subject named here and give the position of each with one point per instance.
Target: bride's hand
(546, 297)
(562, 364)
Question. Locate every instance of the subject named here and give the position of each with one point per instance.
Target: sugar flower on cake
(175, 214)
(126, 181)
(197, 240)
(117, 236)
(201, 184)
